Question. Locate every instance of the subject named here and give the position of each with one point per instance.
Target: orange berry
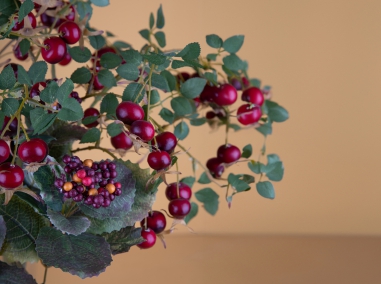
(88, 163)
(67, 186)
(76, 178)
(93, 191)
(110, 188)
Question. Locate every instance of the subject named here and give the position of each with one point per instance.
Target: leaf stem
(45, 274)
(95, 148)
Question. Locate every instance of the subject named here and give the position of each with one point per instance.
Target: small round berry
(118, 185)
(150, 239)
(17, 53)
(67, 186)
(70, 32)
(87, 181)
(76, 178)
(81, 174)
(88, 163)
(33, 151)
(143, 129)
(228, 153)
(121, 141)
(97, 85)
(155, 221)
(179, 208)
(210, 115)
(54, 50)
(11, 176)
(58, 183)
(226, 95)
(237, 83)
(215, 167)
(166, 141)
(184, 191)
(89, 200)
(249, 114)
(128, 112)
(18, 26)
(118, 192)
(91, 112)
(12, 128)
(159, 160)
(93, 192)
(110, 188)
(66, 60)
(4, 151)
(253, 95)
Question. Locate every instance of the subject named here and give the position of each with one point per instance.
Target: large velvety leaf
(23, 225)
(74, 225)
(3, 231)
(85, 255)
(13, 274)
(121, 241)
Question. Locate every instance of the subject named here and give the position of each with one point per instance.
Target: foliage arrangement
(75, 214)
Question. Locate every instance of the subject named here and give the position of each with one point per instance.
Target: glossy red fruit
(208, 94)
(91, 112)
(237, 84)
(121, 141)
(54, 51)
(143, 129)
(155, 221)
(4, 151)
(11, 176)
(97, 85)
(226, 95)
(102, 51)
(128, 112)
(18, 26)
(70, 32)
(185, 192)
(253, 95)
(48, 21)
(17, 53)
(32, 151)
(159, 160)
(166, 141)
(182, 76)
(36, 89)
(228, 153)
(215, 167)
(71, 15)
(249, 114)
(12, 129)
(66, 60)
(150, 239)
(210, 115)
(179, 208)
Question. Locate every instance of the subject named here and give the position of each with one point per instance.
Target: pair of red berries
(251, 113)
(226, 154)
(166, 143)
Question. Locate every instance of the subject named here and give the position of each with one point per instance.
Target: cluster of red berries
(226, 154)
(179, 207)
(91, 182)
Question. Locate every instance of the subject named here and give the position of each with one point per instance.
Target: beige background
(323, 60)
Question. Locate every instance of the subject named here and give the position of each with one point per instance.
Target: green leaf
(109, 104)
(23, 76)
(84, 9)
(198, 121)
(181, 106)
(193, 212)
(41, 120)
(85, 255)
(214, 41)
(211, 77)
(186, 63)
(193, 87)
(100, 3)
(256, 168)
(212, 56)
(272, 158)
(24, 46)
(151, 21)
(121, 44)
(160, 38)
(110, 60)
(171, 80)
(91, 136)
(236, 127)
(131, 93)
(9, 106)
(128, 71)
(155, 97)
(89, 119)
(114, 129)
(255, 82)
(275, 171)
(167, 115)
(234, 43)
(159, 82)
(204, 179)
(37, 71)
(233, 62)
(13, 274)
(238, 184)
(3, 231)
(23, 225)
(81, 75)
(132, 56)
(71, 111)
(7, 7)
(160, 22)
(7, 78)
(79, 54)
(188, 181)
(106, 78)
(265, 129)
(209, 198)
(73, 225)
(64, 91)
(181, 130)
(154, 58)
(190, 52)
(276, 112)
(247, 151)
(97, 42)
(49, 94)
(121, 241)
(144, 33)
(25, 9)
(266, 189)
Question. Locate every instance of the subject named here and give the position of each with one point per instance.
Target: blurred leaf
(209, 198)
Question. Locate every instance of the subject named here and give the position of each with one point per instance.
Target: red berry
(87, 181)
(249, 114)
(97, 85)
(143, 129)
(17, 53)
(159, 160)
(128, 112)
(182, 76)
(4, 151)
(71, 15)
(226, 95)
(150, 238)
(32, 151)
(197, 102)
(66, 60)
(166, 141)
(208, 94)
(184, 192)
(11, 176)
(36, 89)
(54, 51)
(121, 141)
(12, 128)
(18, 26)
(48, 21)
(91, 112)
(179, 208)
(210, 115)
(253, 95)
(228, 153)
(70, 32)
(237, 83)
(215, 167)
(81, 174)
(155, 221)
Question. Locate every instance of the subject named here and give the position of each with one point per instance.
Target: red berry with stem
(150, 238)
(228, 153)
(91, 112)
(11, 176)
(159, 160)
(97, 85)
(184, 191)
(128, 112)
(165, 141)
(70, 32)
(179, 208)
(32, 151)
(12, 128)
(215, 167)
(66, 60)
(17, 53)
(4, 151)
(226, 95)
(155, 221)
(253, 95)
(18, 26)
(54, 50)
(249, 114)
(121, 141)
(143, 129)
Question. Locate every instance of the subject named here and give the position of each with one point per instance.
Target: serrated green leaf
(160, 22)
(181, 106)
(37, 71)
(91, 136)
(159, 82)
(193, 87)
(131, 93)
(204, 179)
(209, 198)
(7, 7)
(155, 97)
(181, 130)
(73, 225)
(128, 71)
(214, 41)
(190, 52)
(13, 274)
(266, 189)
(7, 78)
(192, 213)
(154, 58)
(211, 77)
(247, 151)
(188, 181)
(23, 76)
(121, 44)
(80, 54)
(25, 9)
(106, 78)
(276, 112)
(171, 80)
(97, 42)
(238, 184)
(233, 62)
(64, 91)
(109, 104)
(9, 106)
(176, 64)
(132, 56)
(121, 241)
(110, 60)
(41, 120)
(160, 38)
(71, 111)
(114, 129)
(81, 75)
(167, 115)
(24, 46)
(100, 3)
(145, 34)
(234, 43)
(89, 119)
(49, 94)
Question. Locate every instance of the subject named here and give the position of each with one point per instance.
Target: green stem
(53, 70)
(149, 90)
(95, 148)
(25, 133)
(45, 275)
